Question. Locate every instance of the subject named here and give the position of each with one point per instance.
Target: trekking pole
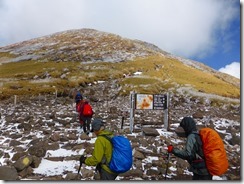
(122, 123)
(167, 165)
(79, 168)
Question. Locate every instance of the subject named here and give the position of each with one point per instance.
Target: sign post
(161, 102)
(166, 112)
(132, 107)
(150, 102)
(15, 100)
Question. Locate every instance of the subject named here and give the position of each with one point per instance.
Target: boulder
(37, 151)
(72, 176)
(26, 172)
(86, 173)
(23, 162)
(139, 155)
(36, 162)
(150, 132)
(8, 173)
(55, 137)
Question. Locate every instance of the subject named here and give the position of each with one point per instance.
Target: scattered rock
(8, 173)
(23, 162)
(150, 132)
(47, 123)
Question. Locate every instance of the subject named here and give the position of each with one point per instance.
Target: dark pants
(104, 175)
(201, 177)
(86, 123)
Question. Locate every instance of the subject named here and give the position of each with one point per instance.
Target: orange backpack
(214, 152)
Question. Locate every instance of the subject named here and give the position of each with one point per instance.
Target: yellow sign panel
(144, 101)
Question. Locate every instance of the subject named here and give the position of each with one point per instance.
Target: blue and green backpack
(122, 159)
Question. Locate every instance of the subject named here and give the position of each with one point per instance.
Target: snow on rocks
(42, 140)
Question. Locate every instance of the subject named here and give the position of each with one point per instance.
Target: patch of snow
(137, 73)
(51, 168)
(64, 152)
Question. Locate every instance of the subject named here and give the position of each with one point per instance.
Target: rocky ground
(39, 126)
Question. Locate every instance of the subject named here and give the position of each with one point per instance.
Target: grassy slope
(158, 74)
(173, 71)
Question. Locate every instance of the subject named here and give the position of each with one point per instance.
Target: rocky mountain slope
(44, 132)
(40, 138)
(80, 45)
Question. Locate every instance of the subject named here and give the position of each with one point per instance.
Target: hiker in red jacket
(85, 114)
(78, 104)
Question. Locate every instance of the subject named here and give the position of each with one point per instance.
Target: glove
(99, 167)
(82, 159)
(170, 148)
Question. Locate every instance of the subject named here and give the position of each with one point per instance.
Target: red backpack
(87, 110)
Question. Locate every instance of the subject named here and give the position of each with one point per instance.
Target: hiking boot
(87, 133)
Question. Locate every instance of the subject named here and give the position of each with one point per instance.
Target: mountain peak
(81, 45)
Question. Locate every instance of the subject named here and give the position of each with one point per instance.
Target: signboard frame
(149, 102)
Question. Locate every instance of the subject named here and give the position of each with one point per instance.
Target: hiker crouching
(102, 152)
(193, 152)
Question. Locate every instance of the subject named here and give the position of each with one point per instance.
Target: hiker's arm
(187, 153)
(97, 154)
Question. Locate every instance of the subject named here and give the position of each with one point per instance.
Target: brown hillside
(73, 58)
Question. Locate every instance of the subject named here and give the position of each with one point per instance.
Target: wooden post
(56, 93)
(39, 98)
(166, 113)
(15, 100)
(132, 108)
(122, 123)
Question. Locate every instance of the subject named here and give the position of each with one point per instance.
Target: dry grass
(168, 71)
(4, 55)
(158, 74)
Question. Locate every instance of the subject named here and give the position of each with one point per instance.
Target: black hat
(188, 125)
(97, 124)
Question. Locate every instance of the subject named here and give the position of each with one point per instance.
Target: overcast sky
(207, 31)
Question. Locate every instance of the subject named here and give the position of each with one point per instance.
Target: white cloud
(25, 19)
(186, 28)
(232, 69)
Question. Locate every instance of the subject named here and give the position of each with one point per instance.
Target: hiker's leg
(81, 122)
(85, 124)
(206, 177)
(104, 175)
(201, 177)
(88, 124)
(84, 127)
